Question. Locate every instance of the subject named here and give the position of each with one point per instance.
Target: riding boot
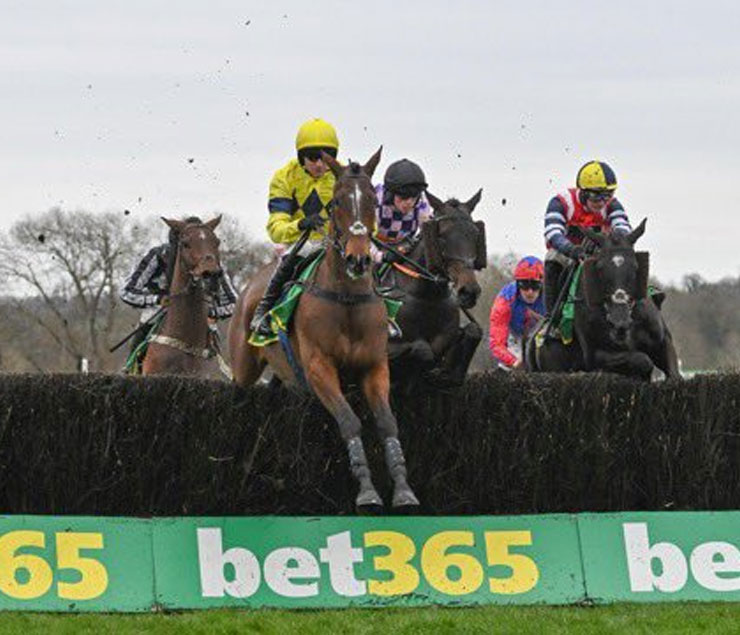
(280, 276)
(553, 271)
(403, 496)
(367, 498)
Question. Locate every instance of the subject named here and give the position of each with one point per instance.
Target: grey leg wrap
(357, 459)
(368, 497)
(403, 496)
(394, 458)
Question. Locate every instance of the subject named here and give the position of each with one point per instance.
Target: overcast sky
(103, 104)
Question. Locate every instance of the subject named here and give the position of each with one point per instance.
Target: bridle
(466, 261)
(357, 228)
(194, 282)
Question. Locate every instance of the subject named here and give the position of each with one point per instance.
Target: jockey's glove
(312, 222)
(578, 252)
(390, 257)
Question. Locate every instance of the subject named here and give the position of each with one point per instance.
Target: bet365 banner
(108, 564)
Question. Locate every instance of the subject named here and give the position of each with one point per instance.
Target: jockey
(402, 208)
(300, 193)
(511, 312)
(590, 204)
(147, 285)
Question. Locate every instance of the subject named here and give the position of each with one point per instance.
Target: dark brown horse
(452, 248)
(618, 325)
(181, 344)
(339, 332)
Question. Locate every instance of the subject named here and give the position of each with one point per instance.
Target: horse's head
(197, 250)
(455, 245)
(615, 278)
(353, 212)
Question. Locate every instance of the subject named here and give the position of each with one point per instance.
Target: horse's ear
(334, 165)
(177, 225)
(213, 223)
(372, 163)
(637, 232)
(474, 200)
(437, 205)
(595, 237)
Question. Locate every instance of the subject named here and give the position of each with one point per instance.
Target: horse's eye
(185, 244)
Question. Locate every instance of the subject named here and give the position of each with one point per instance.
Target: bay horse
(618, 326)
(339, 333)
(181, 344)
(452, 248)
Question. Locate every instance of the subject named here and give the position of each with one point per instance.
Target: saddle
(281, 315)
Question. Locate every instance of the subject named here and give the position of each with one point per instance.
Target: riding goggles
(314, 154)
(599, 195)
(530, 285)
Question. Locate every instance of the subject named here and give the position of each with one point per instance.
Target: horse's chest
(425, 319)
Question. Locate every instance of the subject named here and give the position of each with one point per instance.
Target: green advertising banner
(109, 564)
(334, 562)
(661, 556)
(66, 563)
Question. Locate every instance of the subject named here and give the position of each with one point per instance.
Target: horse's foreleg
(323, 378)
(246, 365)
(666, 358)
(375, 385)
(462, 354)
(631, 363)
(459, 353)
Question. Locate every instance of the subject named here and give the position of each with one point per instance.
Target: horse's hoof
(405, 501)
(368, 502)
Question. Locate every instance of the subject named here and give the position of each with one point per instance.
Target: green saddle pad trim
(282, 313)
(131, 367)
(567, 315)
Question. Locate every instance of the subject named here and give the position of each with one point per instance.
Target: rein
(419, 271)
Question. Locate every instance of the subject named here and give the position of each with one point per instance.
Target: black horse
(617, 325)
(434, 290)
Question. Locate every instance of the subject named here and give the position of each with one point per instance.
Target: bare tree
(240, 255)
(72, 264)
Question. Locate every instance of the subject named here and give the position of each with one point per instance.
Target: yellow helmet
(316, 133)
(596, 175)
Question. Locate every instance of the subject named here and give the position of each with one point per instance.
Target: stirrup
(262, 326)
(394, 331)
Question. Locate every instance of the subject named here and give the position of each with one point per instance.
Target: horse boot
(404, 499)
(282, 274)
(368, 500)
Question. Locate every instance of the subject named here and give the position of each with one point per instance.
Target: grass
(621, 618)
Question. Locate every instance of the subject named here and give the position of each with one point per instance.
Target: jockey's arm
(225, 300)
(282, 224)
(617, 218)
(138, 290)
(555, 223)
(498, 333)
